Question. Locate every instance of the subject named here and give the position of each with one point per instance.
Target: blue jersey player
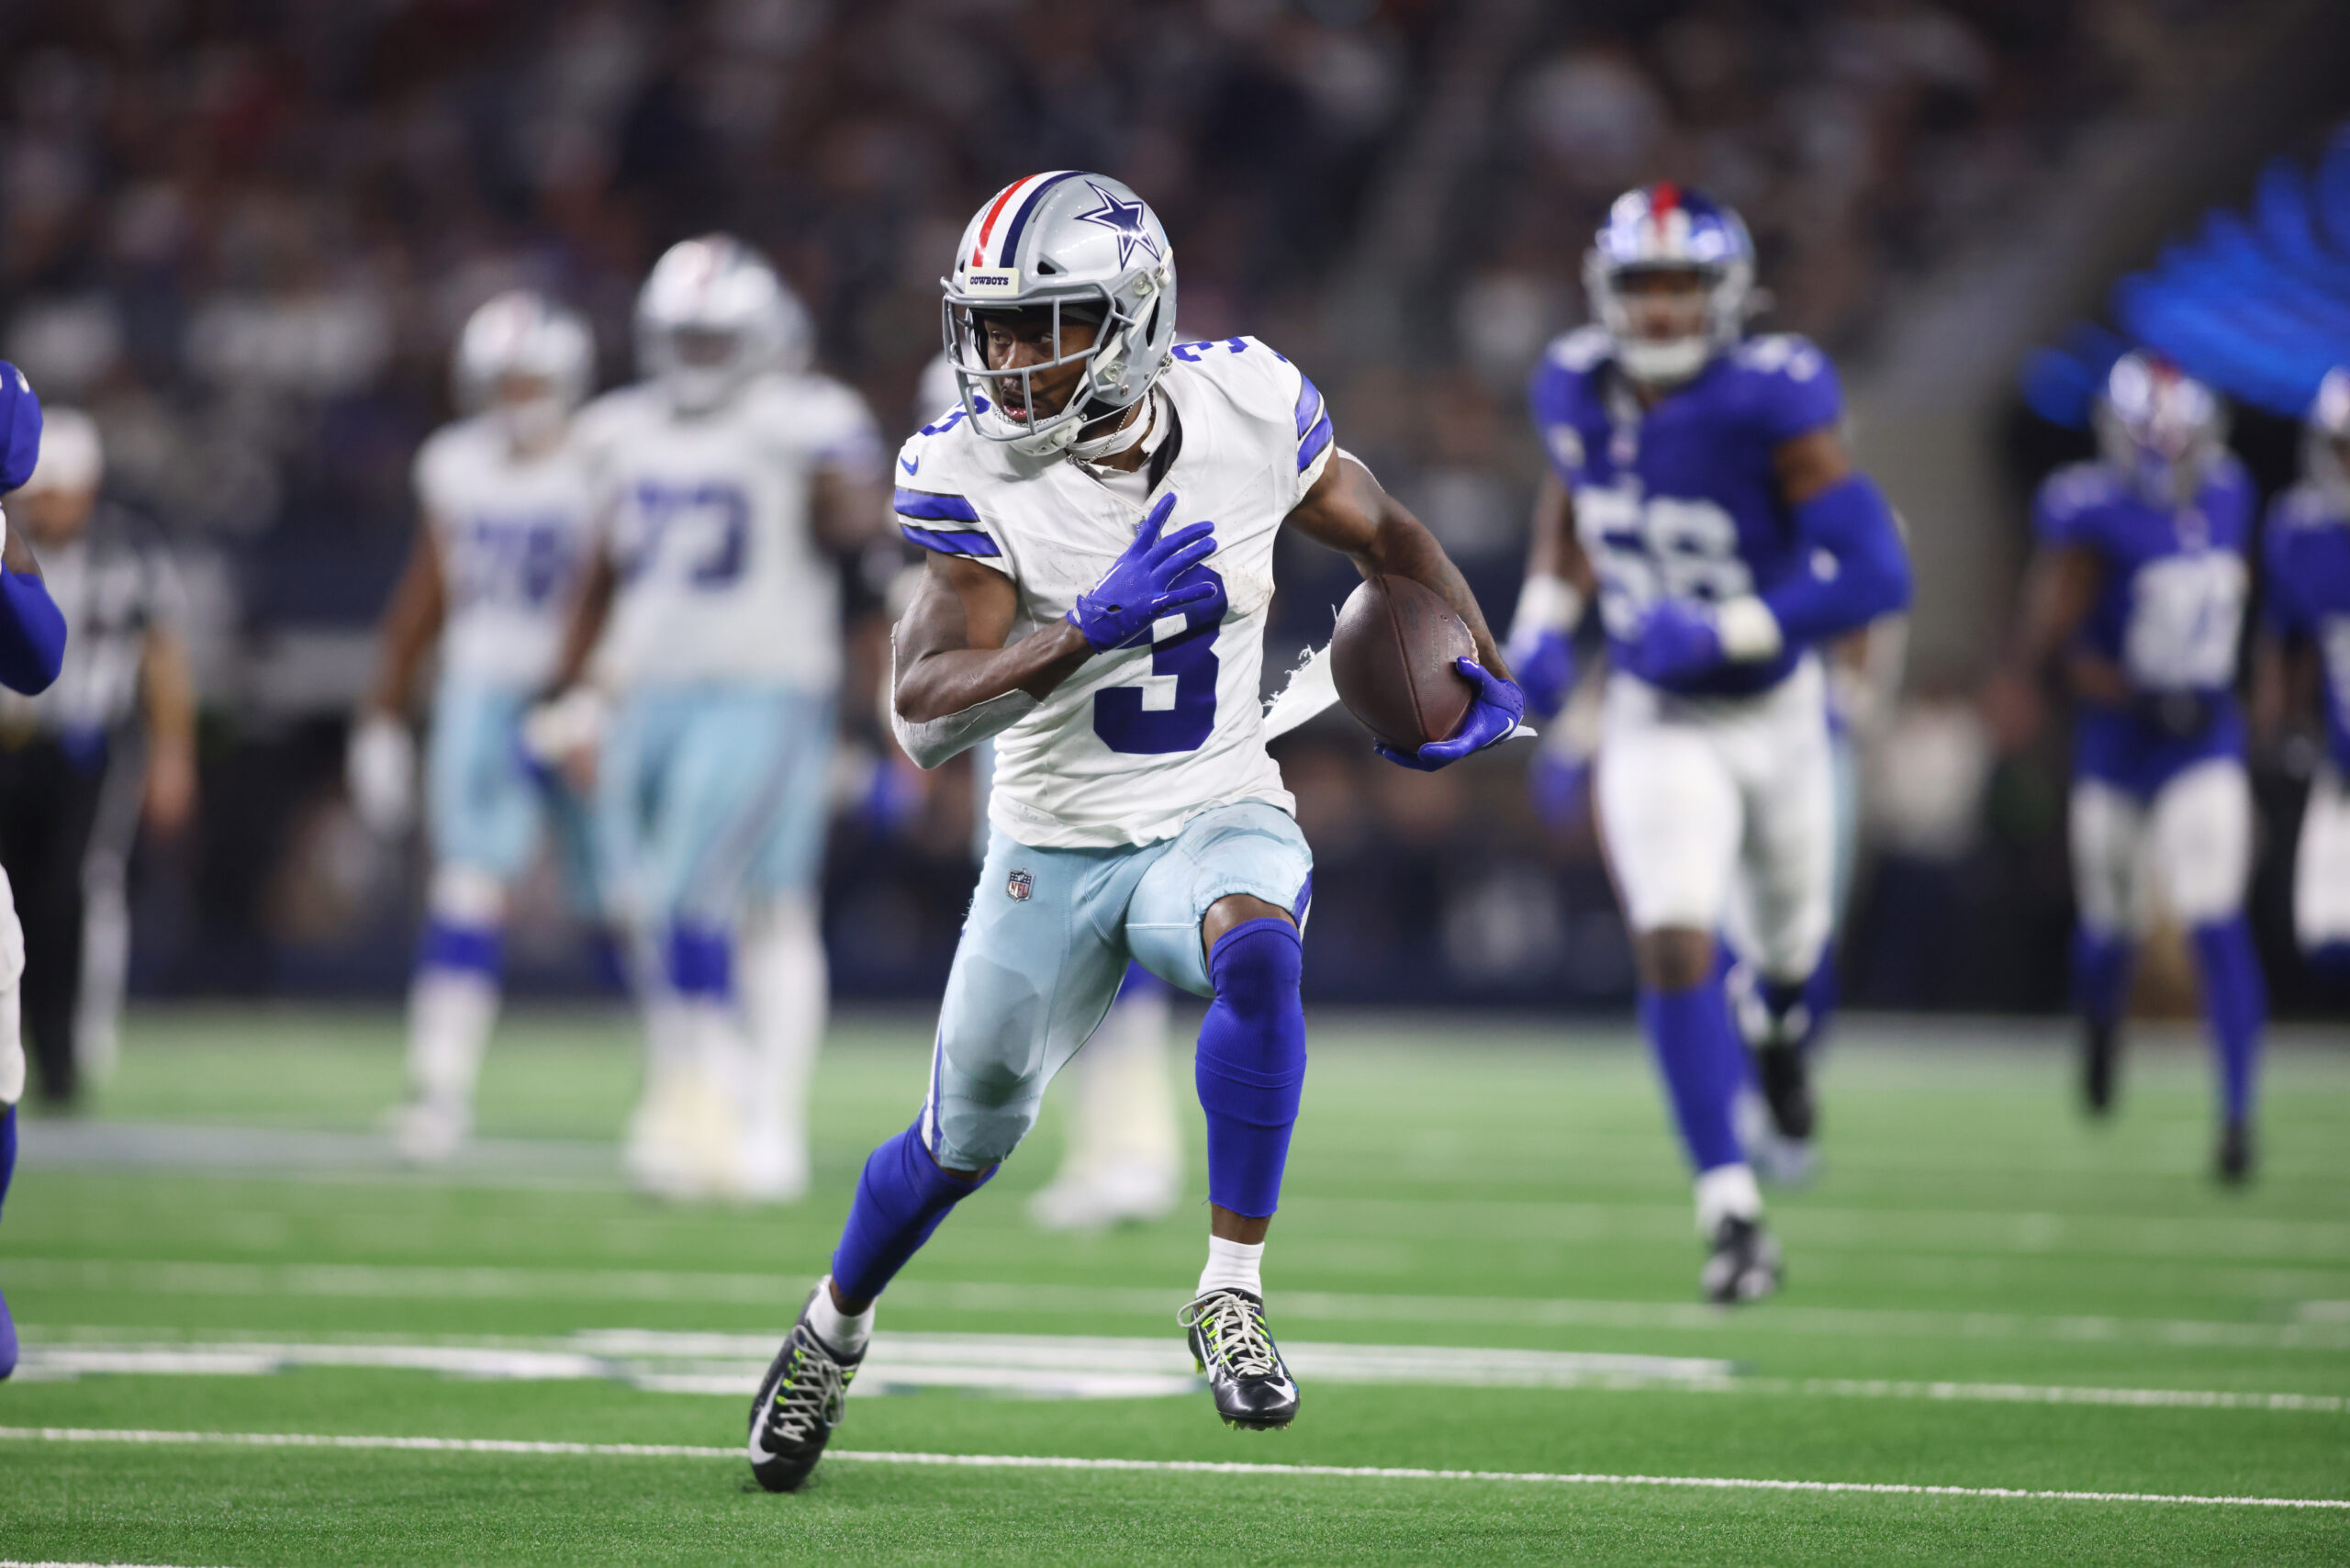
(32, 647)
(2308, 599)
(1700, 491)
(2138, 591)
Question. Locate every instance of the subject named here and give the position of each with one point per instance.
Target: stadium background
(244, 233)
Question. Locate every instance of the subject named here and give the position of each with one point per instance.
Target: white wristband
(1546, 603)
(1749, 633)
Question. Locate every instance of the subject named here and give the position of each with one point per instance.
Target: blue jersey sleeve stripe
(1309, 406)
(931, 506)
(1316, 440)
(950, 542)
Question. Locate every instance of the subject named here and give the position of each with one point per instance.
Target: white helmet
(2161, 429)
(2326, 441)
(1088, 249)
(714, 314)
(521, 333)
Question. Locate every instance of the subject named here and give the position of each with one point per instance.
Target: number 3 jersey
(1681, 500)
(2169, 616)
(708, 519)
(1140, 740)
(512, 534)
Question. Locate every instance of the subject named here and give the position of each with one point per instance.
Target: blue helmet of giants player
(712, 315)
(2326, 447)
(1073, 249)
(2159, 428)
(1671, 277)
(526, 361)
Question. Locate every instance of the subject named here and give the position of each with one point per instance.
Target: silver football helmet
(2325, 439)
(714, 314)
(1089, 250)
(2161, 429)
(522, 334)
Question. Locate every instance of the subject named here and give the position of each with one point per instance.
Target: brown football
(1391, 658)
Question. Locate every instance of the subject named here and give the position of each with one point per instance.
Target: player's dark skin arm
(847, 512)
(1348, 511)
(2286, 682)
(584, 627)
(1556, 549)
(411, 620)
(17, 555)
(2061, 589)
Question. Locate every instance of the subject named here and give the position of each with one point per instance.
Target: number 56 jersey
(1681, 502)
(708, 520)
(1142, 739)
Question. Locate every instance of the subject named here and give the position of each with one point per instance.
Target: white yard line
(2318, 1330)
(1176, 1466)
(1041, 1366)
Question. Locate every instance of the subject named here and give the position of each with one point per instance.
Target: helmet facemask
(712, 316)
(1103, 388)
(1668, 360)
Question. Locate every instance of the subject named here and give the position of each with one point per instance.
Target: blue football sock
(2100, 974)
(1139, 981)
(2236, 1003)
(1697, 1048)
(1251, 1064)
(7, 1168)
(900, 1200)
(700, 961)
(449, 945)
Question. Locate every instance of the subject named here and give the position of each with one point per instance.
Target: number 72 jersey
(1141, 739)
(1681, 502)
(707, 520)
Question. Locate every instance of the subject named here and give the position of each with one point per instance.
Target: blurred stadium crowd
(242, 235)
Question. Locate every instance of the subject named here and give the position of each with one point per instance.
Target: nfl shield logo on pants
(1021, 885)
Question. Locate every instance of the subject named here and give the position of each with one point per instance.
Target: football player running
(504, 498)
(1122, 1159)
(1700, 491)
(2308, 545)
(2137, 592)
(1101, 515)
(32, 649)
(731, 479)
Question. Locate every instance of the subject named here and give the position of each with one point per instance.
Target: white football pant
(1718, 814)
(2322, 866)
(2192, 842)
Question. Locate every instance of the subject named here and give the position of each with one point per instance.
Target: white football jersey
(708, 519)
(513, 536)
(1140, 740)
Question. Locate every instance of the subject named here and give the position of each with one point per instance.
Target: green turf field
(1985, 1295)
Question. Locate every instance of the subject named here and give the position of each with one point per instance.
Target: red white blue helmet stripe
(1004, 217)
(1669, 224)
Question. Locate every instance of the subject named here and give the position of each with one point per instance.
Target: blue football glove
(1545, 665)
(1140, 589)
(1676, 640)
(1492, 715)
(19, 428)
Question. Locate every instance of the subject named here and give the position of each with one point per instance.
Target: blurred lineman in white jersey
(1123, 1162)
(504, 499)
(728, 481)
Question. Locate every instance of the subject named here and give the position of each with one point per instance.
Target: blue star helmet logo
(1126, 219)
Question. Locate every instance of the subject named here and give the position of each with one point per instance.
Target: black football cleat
(1785, 1078)
(2100, 1055)
(1252, 1386)
(2234, 1164)
(1745, 1265)
(799, 1401)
